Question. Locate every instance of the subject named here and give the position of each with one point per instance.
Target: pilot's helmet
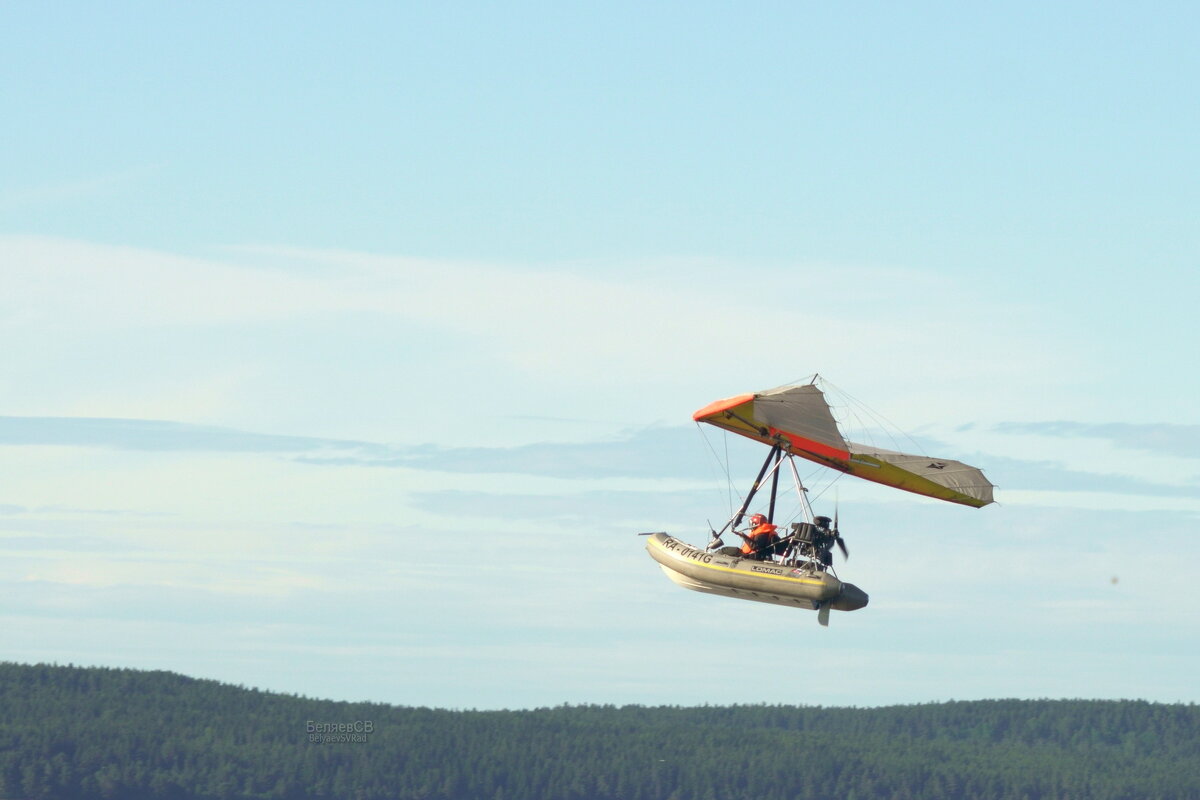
(822, 522)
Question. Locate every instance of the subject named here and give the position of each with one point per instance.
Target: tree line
(75, 732)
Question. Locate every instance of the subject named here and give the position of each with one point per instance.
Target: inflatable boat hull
(749, 579)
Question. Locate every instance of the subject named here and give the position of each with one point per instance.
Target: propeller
(837, 537)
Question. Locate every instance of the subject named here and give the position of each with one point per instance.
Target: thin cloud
(83, 188)
(1018, 474)
(1175, 440)
(595, 327)
(655, 452)
(157, 435)
(652, 453)
(598, 509)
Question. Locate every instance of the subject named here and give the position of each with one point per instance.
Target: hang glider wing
(799, 419)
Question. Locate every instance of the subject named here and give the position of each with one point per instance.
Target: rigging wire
(728, 478)
(881, 422)
(724, 465)
(827, 487)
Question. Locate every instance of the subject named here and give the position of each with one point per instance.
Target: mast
(774, 485)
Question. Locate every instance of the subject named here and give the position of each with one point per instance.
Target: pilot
(760, 542)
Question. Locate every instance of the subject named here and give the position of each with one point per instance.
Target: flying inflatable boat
(794, 567)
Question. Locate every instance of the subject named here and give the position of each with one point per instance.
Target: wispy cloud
(1017, 474)
(1175, 440)
(651, 453)
(83, 188)
(555, 327)
(143, 434)
(227, 579)
(595, 509)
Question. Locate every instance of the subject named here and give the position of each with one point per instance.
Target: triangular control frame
(807, 544)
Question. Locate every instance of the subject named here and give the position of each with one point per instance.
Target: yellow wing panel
(872, 469)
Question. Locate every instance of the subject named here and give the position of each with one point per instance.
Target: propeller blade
(841, 543)
(651, 533)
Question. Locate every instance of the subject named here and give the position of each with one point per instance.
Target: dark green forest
(72, 732)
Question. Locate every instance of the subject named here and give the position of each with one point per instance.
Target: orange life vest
(759, 539)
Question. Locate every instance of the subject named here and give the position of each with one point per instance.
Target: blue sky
(347, 347)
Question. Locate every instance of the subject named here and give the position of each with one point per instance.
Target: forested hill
(68, 732)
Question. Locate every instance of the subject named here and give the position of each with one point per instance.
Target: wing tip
(718, 406)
